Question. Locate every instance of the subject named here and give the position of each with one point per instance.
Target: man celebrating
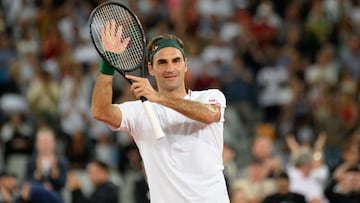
(186, 165)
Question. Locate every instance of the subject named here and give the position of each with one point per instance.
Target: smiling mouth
(170, 77)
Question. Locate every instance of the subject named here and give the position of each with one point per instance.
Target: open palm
(111, 39)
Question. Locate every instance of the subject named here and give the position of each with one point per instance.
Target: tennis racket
(115, 17)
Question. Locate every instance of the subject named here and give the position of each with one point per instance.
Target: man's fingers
(112, 27)
(133, 77)
(125, 43)
(107, 28)
(119, 32)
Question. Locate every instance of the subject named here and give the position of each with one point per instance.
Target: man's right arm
(102, 108)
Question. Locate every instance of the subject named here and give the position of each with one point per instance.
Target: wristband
(105, 68)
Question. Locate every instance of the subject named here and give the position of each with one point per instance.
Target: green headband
(162, 43)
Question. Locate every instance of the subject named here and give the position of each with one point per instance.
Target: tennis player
(186, 165)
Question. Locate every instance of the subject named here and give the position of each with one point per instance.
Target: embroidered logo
(154, 47)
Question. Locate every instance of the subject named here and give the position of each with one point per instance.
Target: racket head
(134, 55)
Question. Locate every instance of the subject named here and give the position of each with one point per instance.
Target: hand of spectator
(344, 184)
(340, 171)
(73, 181)
(25, 191)
(292, 144)
(6, 196)
(54, 166)
(320, 142)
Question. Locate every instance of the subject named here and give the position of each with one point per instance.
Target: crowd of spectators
(290, 71)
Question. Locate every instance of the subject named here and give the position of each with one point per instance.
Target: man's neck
(179, 93)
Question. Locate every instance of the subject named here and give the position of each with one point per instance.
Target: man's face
(169, 69)
(45, 143)
(9, 183)
(95, 174)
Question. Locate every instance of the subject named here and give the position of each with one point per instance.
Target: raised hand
(292, 144)
(111, 39)
(320, 142)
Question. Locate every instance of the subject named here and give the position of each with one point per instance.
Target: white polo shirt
(186, 166)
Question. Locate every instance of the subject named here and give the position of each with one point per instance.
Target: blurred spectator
(130, 167)
(273, 84)
(205, 79)
(7, 54)
(43, 96)
(105, 149)
(37, 193)
(12, 192)
(237, 85)
(238, 196)
(74, 101)
(8, 187)
(301, 180)
(255, 184)
(349, 55)
(348, 108)
(262, 150)
(130, 159)
(266, 23)
(346, 189)
(17, 136)
(78, 150)
(283, 193)
(350, 157)
(326, 119)
(324, 71)
(23, 70)
(319, 171)
(99, 175)
(46, 166)
(317, 26)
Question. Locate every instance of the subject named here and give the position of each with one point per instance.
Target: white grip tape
(153, 120)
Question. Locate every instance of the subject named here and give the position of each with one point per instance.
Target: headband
(162, 43)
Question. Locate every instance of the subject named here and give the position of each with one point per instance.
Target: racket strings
(132, 56)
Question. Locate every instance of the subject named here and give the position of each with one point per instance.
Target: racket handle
(155, 124)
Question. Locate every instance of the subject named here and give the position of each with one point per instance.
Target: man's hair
(282, 175)
(5, 173)
(101, 164)
(303, 158)
(157, 38)
(45, 129)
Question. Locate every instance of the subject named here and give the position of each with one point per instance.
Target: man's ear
(150, 69)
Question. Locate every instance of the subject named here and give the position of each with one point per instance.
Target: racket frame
(154, 121)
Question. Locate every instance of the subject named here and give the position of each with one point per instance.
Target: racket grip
(155, 124)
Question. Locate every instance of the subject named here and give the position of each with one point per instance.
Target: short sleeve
(130, 112)
(214, 96)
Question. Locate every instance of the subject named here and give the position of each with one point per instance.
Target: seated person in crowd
(99, 175)
(12, 192)
(255, 185)
(283, 193)
(8, 186)
(46, 166)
